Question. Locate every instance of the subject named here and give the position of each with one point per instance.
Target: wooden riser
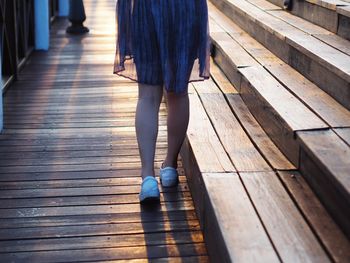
(328, 67)
(344, 27)
(319, 15)
(325, 162)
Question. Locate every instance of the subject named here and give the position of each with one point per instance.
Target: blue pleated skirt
(163, 42)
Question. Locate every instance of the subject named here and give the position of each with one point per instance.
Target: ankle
(144, 174)
(167, 163)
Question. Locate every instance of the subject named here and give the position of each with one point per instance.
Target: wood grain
(242, 152)
(325, 162)
(237, 233)
(256, 133)
(70, 166)
(298, 243)
(318, 218)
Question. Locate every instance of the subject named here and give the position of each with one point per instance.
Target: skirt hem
(120, 73)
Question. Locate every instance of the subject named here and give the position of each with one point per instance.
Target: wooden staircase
(268, 148)
(325, 65)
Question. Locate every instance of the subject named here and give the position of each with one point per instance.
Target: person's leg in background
(146, 124)
(177, 123)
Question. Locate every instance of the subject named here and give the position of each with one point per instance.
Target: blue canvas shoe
(149, 190)
(169, 176)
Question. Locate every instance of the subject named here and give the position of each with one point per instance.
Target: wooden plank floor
(69, 163)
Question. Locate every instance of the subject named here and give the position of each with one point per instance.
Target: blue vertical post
(42, 26)
(63, 7)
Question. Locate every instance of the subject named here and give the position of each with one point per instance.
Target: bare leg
(146, 124)
(177, 123)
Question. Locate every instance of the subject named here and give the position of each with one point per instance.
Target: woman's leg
(177, 123)
(146, 124)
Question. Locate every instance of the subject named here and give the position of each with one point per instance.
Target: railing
(24, 31)
(17, 35)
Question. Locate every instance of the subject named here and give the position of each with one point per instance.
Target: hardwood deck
(69, 163)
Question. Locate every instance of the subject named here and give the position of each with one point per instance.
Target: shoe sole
(171, 184)
(152, 196)
(150, 200)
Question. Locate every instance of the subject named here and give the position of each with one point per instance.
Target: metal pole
(77, 17)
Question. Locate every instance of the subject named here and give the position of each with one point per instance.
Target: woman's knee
(152, 93)
(173, 97)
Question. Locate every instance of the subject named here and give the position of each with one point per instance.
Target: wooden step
(281, 100)
(314, 30)
(210, 154)
(315, 98)
(267, 68)
(269, 101)
(232, 228)
(315, 213)
(305, 199)
(325, 163)
(325, 65)
(326, 229)
(234, 203)
(334, 15)
(237, 144)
